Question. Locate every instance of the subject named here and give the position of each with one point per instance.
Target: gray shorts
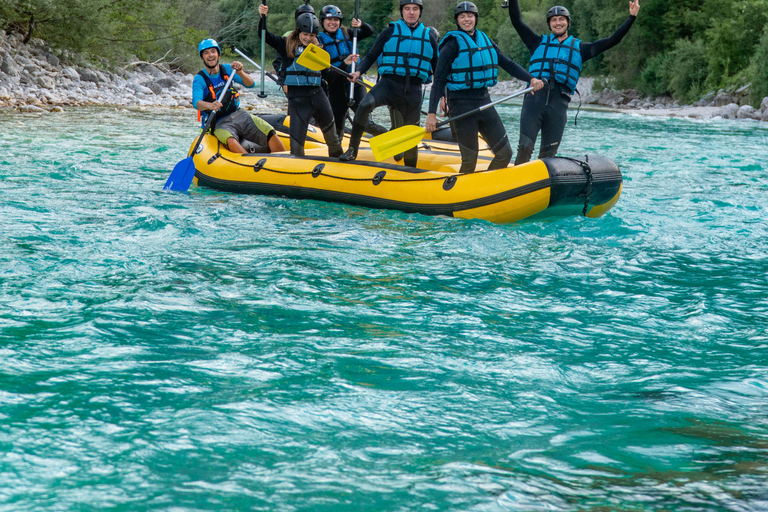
(245, 127)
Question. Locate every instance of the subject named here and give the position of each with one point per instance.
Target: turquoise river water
(211, 352)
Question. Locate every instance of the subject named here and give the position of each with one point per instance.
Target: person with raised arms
(558, 58)
(406, 53)
(239, 131)
(467, 67)
(306, 98)
(336, 40)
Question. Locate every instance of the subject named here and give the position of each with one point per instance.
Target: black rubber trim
(363, 200)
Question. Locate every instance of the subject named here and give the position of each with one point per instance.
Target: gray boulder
(729, 111)
(764, 105)
(722, 99)
(747, 112)
(154, 87)
(52, 59)
(70, 73)
(45, 82)
(87, 75)
(167, 83)
(152, 71)
(10, 67)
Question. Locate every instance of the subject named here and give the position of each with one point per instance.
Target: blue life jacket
(561, 61)
(476, 66)
(337, 46)
(297, 75)
(407, 53)
(214, 85)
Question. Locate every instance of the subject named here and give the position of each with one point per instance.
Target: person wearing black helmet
(278, 62)
(240, 131)
(557, 57)
(306, 98)
(406, 52)
(467, 67)
(337, 41)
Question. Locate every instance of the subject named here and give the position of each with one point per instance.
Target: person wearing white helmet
(239, 131)
(557, 57)
(406, 53)
(306, 98)
(468, 65)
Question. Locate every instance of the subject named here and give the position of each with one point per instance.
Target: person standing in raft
(337, 42)
(558, 58)
(306, 98)
(233, 127)
(467, 67)
(406, 52)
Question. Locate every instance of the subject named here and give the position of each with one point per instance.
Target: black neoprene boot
(354, 143)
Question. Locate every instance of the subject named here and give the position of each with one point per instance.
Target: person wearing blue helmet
(558, 58)
(235, 128)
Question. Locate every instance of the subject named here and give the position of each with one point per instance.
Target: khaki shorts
(245, 127)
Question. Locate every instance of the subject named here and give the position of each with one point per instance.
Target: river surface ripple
(211, 351)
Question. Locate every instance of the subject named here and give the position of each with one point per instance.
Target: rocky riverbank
(36, 78)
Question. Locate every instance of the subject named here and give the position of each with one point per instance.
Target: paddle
(182, 175)
(270, 75)
(354, 51)
(262, 94)
(317, 59)
(402, 139)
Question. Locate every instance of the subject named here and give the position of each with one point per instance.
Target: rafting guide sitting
(240, 131)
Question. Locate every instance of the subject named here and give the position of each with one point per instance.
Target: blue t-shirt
(200, 89)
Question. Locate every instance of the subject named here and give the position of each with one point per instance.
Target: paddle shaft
(484, 107)
(262, 94)
(213, 114)
(270, 75)
(354, 51)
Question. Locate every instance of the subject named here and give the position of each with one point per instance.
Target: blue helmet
(208, 43)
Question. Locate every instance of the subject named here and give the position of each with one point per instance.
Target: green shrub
(653, 78)
(686, 70)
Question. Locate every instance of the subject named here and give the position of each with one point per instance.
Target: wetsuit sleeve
(198, 90)
(364, 32)
(530, 38)
(448, 53)
(378, 46)
(435, 50)
(591, 50)
(275, 41)
(512, 67)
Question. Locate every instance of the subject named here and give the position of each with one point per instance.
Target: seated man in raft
(234, 127)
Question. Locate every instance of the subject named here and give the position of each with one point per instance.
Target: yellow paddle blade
(314, 58)
(396, 141)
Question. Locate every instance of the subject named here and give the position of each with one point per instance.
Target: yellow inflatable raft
(548, 187)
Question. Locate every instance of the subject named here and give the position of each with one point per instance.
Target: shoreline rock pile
(35, 78)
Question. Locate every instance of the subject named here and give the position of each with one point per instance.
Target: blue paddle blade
(182, 175)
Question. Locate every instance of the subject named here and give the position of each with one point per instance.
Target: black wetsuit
(487, 123)
(547, 109)
(400, 92)
(338, 92)
(304, 103)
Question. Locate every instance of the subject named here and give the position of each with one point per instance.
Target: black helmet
(308, 23)
(330, 11)
(420, 3)
(558, 10)
(465, 7)
(305, 7)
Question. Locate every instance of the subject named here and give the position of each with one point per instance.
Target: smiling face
(331, 25)
(210, 58)
(558, 25)
(305, 38)
(466, 21)
(411, 13)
